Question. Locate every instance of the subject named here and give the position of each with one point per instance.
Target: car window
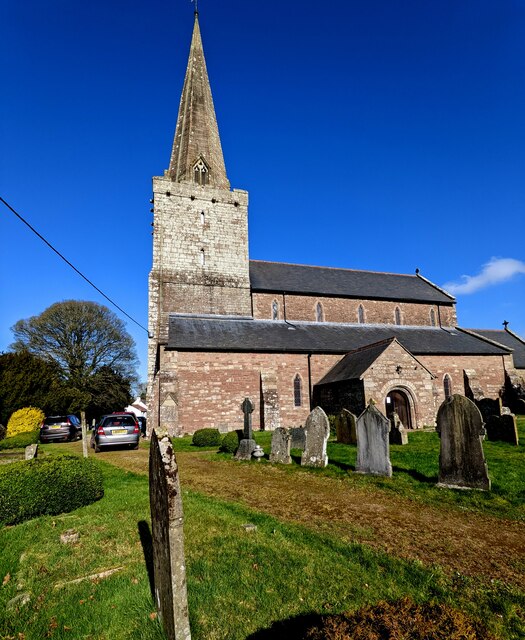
(119, 421)
(56, 420)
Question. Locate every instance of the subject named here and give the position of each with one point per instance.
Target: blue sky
(373, 135)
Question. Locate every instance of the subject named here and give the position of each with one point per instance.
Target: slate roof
(298, 278)
(508, 339)
(197, 333)
(355, 363)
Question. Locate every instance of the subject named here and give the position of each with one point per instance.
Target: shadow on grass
(417, 475)
(146, 541)
(289, 629)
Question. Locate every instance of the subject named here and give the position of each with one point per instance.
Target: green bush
(230, 442)
(21, 440)
(206, 438)
(23, 420)
(47, 486)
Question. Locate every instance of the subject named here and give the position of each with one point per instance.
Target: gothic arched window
(447, 386)
(297, 391)
(201, 174)
(397, 315)
(361, 314)
(432, 317)
(275, 310)
(319, 313)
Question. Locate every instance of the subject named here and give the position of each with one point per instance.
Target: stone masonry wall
(303, 307)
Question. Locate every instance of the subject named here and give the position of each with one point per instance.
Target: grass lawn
(241, 582)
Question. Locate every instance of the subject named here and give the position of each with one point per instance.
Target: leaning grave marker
(247, 444)
(317, 430)
(373, 447)
(168, 539)
(345, 427)
(462, 463)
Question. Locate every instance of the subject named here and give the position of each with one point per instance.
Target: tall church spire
(196, 156)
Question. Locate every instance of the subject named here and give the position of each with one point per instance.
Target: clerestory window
(361, 314)
(397, 315)
(319, 312)
(432, 318)
(275, 310)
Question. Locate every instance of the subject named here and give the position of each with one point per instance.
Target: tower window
(275, 310)
(397, 315)
(447, 386)
(361, 314)
(203, 217)
(203, 257)
(201, 174)
(432, 317)
(319, 312)
(297, 391)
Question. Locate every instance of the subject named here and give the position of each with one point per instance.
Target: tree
(26, 380)
(81, 339)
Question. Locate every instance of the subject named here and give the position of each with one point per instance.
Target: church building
(290, 337)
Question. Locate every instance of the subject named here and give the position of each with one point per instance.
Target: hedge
(47, 486)
(230, 442)
(21, 440)
(24, 420)
(206, 438)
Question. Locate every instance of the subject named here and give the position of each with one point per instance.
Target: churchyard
(272, 549)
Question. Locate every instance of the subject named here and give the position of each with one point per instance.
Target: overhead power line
(72, 265)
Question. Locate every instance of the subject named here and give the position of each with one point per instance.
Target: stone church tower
(200, 233)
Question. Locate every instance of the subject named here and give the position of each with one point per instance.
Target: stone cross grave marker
(247, 444)
(398, 433)
(168, 539)
(373, 448)
(461, 460)
(345, 427)
(317, 429)
(281, 443)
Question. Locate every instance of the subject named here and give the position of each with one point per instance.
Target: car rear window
(119, 421)
(56, 420)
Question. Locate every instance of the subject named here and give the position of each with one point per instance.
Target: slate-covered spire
(196, 156)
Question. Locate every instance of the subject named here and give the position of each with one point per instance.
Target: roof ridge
(316, 266)
(471, 332)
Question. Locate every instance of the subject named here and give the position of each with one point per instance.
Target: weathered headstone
(398, 434)
(247, 444)
(281, 441)
(168, 539)
(31, 451)
(345, 427)
(298, 438)
(502, 428)
(317, 430)
(373, 448)
(461, 461)
(489, 407)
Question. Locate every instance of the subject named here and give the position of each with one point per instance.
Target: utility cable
(72, 265)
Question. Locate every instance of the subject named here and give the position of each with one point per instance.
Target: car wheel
(134, 447)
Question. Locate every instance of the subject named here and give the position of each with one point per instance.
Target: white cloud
(495, 271)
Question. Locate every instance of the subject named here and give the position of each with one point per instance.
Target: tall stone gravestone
(373, 447)
(345, 427)
(247, 444)
(281, 441)
(461, 461)
(398, 433)
(317, 430)
(168, 539)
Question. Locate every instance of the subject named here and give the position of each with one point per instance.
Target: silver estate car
(60, 429)
(116, 429)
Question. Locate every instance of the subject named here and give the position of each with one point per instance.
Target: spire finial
(196, 12)
(505, 324)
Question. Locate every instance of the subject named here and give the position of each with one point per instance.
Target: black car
(60, 429)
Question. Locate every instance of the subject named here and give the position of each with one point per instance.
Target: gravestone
(281, 441)
(31, 451)
(503, 428)
(345, 427)
(373, 447)
(168, 539)
(461, 461)
(247, 444)
(489, 407)
(398, 434)
(298, 438)
(317, 430)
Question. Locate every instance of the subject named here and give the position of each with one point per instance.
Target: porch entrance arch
(398, 401)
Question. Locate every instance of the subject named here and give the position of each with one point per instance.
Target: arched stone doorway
(397, 400)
